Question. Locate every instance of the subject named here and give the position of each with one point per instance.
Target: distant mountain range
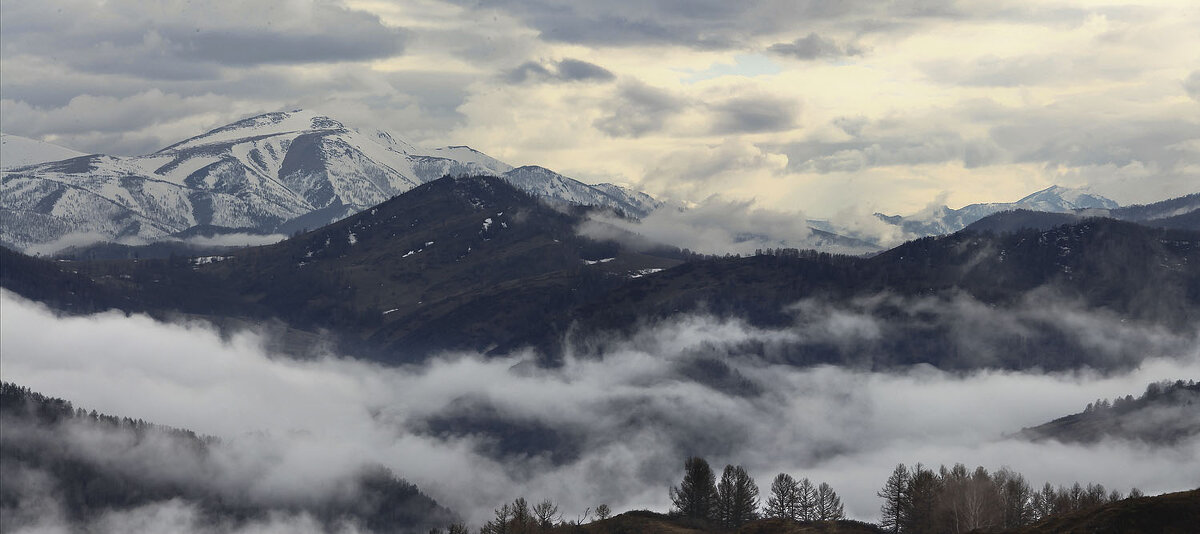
(944, 220)
(272, 173)
(283, 172)
(475, 264)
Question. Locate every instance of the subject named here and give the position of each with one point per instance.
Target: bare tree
(828, 504)
(784, 500)
(806, 501)
(893, 494)
(546, 513)
(1015, 496)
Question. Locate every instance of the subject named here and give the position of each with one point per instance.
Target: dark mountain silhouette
(926, 296)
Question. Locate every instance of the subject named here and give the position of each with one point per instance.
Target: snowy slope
(270, 172)
(945, 220)
(467, 154)
(17, 151)
(546, 183)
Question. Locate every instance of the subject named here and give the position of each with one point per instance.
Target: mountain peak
(17, 151)
(1059, 198)
(266, 124)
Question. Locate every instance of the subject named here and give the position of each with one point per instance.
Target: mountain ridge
(945, 220)
(264, 172)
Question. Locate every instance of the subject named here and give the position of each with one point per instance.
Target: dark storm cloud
(638, 109)
(567, 70)
(186, 40)
(755, 114)
(709, 24)
(814, 46)
(574, 69)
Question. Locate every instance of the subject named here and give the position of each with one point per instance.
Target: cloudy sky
(802, 105)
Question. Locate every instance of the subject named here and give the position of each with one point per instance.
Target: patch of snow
(643, 272)
(351, 238)
(391, 310)
(427, 243)
(593, 262)
(487, 223)
(204, 260)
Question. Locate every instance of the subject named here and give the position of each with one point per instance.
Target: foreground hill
(65, 465)
(655, 523)
(1171, 513)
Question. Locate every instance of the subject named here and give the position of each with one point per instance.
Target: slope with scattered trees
(87, 465)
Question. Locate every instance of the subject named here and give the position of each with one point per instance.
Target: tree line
(956, 500)
(734, 501)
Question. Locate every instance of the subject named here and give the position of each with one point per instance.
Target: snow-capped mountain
(944, 220)
(273, 172)
(546, 183)
(17, 151)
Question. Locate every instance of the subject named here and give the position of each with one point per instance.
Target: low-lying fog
(613, 430)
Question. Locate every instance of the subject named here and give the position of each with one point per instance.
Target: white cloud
(631, 416)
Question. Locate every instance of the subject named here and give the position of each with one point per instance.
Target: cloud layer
(621, 424)
(870, 103)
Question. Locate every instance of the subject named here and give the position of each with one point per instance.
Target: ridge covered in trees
(1167, 412)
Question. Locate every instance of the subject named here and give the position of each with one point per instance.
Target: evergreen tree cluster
(955, 500)
(734, 501)
(1156, 391)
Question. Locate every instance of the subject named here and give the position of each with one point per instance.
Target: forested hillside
(65, 464)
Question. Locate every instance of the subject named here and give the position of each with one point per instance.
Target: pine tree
(696, 496)
(737, 497)
(893, 494)
(920, 506)
(784, 500)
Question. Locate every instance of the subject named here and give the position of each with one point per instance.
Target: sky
(797, 105)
